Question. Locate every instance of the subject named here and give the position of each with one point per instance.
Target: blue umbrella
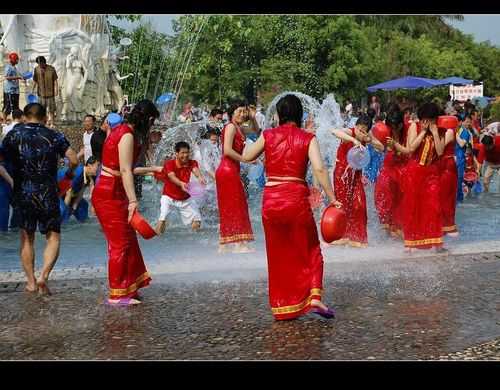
(408, 82)
(454, 81)
(165, 98)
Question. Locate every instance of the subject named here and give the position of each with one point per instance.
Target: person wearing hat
(45, 81)
(11, 85)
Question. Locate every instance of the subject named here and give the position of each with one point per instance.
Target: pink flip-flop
(121, 302)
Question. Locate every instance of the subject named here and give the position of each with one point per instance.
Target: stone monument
(80, 48)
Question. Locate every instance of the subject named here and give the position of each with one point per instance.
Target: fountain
(181, 251)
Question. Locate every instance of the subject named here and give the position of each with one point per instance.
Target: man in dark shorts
(34, 152)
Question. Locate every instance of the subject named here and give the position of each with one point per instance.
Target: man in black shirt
(97, 142)
(34, 152)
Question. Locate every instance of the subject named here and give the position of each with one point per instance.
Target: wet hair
(90, 116)
(394, 118)
(487, 140)
(216, 111)
(290, 109)
(140, 117)
(91, 160)
(41, 60)
(364, 120)
(17, 114)
(234, 106)
(35, 110)
(181, 145)
(428, 111)
(371, 113)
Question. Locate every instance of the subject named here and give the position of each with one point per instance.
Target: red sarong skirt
(349, 190)
(126, 269)
(234, 221)
(448, 191)
(294, 258)
(422, 221)
(388, 194)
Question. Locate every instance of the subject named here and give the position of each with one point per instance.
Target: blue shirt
(34, 152)
(460, 151)
(11, 86)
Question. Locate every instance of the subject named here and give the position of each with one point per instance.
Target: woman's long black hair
(142, 118)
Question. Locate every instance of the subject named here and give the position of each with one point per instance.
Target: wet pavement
(413, 308)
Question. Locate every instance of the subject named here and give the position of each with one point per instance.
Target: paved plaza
(415, 308)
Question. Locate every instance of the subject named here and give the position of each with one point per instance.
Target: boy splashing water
(176, 174)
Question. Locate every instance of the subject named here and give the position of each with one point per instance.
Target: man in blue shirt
(34, 151)
(11, 85)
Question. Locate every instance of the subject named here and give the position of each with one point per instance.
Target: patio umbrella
(454, 81)
(408, 82)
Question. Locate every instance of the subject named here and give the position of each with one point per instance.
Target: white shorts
(187, 208)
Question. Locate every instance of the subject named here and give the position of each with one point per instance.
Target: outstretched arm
(199, 176)
(145, 171)
(341, 134)
(254, 150)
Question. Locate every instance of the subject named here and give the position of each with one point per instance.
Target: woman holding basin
(115, 203)
(294, 256)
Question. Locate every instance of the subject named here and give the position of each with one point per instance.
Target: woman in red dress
(235, 227)
(115, 201)
(422, 217)
(348, 183)
(448, 184)
(294, 258)
(388, 194)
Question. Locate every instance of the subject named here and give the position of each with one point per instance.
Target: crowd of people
(421, 172)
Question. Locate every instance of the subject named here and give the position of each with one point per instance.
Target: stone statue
(79, 48)
(74, 83)
(114, 78)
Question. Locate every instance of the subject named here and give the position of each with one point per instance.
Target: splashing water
(180, 251)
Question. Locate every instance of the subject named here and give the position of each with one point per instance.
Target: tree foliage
(258, 56)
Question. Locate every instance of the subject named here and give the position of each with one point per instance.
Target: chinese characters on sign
(465, 92)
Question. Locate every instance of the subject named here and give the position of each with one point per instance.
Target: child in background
(176, 174)
(471, 166)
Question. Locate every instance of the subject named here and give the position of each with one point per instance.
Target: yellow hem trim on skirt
(427, 241)
(299, 306)
(449, 228)
(236, 238)
(346, 241)
(133, 287)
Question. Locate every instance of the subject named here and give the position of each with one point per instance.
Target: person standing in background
(47, 88)
(88, 130)
(11, 85)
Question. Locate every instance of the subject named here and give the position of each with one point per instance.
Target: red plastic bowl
(470, 176)
(141, 226)
(64, 185)
(333, 224)
(381, 131)
(447, 122)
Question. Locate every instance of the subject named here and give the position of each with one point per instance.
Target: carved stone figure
(79, 48)
(114, 78)
(74, 84)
